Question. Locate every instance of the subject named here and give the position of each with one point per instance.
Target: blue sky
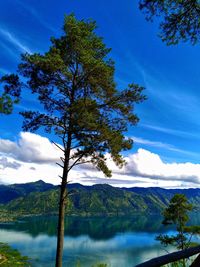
(169, 120)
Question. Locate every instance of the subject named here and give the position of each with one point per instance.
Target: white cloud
(147, 164)
(30, 148)
(14, 41)
(33, 157)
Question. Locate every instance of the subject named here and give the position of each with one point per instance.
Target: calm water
(116, 241)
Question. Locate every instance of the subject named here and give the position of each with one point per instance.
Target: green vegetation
(177, 213)
(98, 200)
(179, 263)
(10, 192)
(12, 258)
(6, 216)
(179, 19)
(11, 93)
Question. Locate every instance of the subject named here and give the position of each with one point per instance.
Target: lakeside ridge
(96, 200)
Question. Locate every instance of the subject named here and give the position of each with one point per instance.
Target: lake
(115, 241)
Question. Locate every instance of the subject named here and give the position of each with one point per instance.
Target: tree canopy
(75, 84)
(179, 19)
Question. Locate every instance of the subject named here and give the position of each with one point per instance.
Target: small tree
(179, 19)
(177, 213)
(74, 82)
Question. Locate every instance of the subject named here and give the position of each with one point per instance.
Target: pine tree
(74, 82)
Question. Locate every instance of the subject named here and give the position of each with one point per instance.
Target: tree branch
(58, 146)
(79, 163)
(59, 165)
(75, 162)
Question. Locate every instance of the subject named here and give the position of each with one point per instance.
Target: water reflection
(96, 228)
(115, 241)
(127, 249)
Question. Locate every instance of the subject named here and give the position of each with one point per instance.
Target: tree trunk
(61, 225)
(63, 194)
(62, 204)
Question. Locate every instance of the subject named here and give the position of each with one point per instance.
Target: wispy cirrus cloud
(164, 129)
(170, 131)
(33, 12)
(158, 144)
(18, 44)
(169, 95)
(8, 50)
(4, 71)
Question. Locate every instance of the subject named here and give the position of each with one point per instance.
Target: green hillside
(96, 200)
(10, 192)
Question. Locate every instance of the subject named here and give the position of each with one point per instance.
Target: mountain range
(96, 200)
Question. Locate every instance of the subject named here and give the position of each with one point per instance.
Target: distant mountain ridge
(96, 200)
(13, 191)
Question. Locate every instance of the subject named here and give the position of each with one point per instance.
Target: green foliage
(10, 93)
(177, 213)
(11, 257)
(74, 82)
(194, 229)
(179, 19)
(180, 263)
